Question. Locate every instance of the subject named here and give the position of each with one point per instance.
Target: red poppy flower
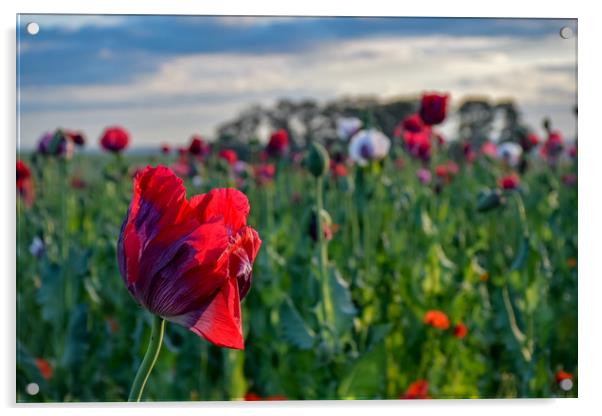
(469, 154)
(460, 330)
(114, 139)
(529, 141)
(562, 375)
(264, 173)
(436, 319)
(433, 108)
(441, 171)
(413, 123)
(44, 368)
(78, 183)
(338, 169)
(417, 390)
(252, 397)
(198, 147)
(228, 155)
(418, 144)
(189, 262)
(552, 147)
(509, 182)
(24, 184)
(278, 143)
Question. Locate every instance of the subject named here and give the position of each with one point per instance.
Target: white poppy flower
(347, 126)
(509, 152)
(368, 145)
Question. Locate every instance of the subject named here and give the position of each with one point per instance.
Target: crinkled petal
(228, 203)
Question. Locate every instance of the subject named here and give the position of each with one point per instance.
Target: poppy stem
(150, 358)
(323, 254)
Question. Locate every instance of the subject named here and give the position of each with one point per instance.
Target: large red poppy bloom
(189, 262)
(460, 330)
(433, 108)
(417, 390)
(278, 143)
(436, 319)
(114, 139)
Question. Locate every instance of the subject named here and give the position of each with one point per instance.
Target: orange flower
(563, 375)
(571, 262)
(460, 330)
(436, 319)
(44, 368)
(417, 390)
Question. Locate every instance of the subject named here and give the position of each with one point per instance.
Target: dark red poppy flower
(114, 139)
(562, 375)
(23, 174)
(76, 137)
(228, 155)
(572, 151)
(24, 183)
(469, 154)
(413, 123)
(44, 368)
(436, 319)
(509, 182)
(552, 148)
(416, 390)
(278, 143)
(198, 147)
(165, 148)
(189, 262)
(460, 330)
(433, 108)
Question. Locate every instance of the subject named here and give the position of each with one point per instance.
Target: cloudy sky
(166, 77)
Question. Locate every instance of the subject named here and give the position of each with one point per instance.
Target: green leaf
(365, 378)
(50, 293)
(76, 345)
(344, 310)
(293, 327)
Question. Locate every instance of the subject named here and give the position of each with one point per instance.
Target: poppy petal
(219, 323)
(228, 203)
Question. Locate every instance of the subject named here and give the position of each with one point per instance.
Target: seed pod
(317, 160)
(489, 199)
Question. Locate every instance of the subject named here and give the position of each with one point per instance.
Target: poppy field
(374, 265)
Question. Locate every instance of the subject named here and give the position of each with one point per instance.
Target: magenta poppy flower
(433, 108)
(189, 262)
(114, 139)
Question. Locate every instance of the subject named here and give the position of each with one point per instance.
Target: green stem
(323, 257)
(150, 358)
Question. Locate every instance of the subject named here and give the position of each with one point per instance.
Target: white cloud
(72, 22)
(199, 91)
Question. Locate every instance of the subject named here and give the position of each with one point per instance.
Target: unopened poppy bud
(489, 200)
(317, 160)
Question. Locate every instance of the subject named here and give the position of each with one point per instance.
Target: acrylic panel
(295, 208)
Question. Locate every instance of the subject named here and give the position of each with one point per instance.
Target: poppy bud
(489, 199)
(317, 160)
